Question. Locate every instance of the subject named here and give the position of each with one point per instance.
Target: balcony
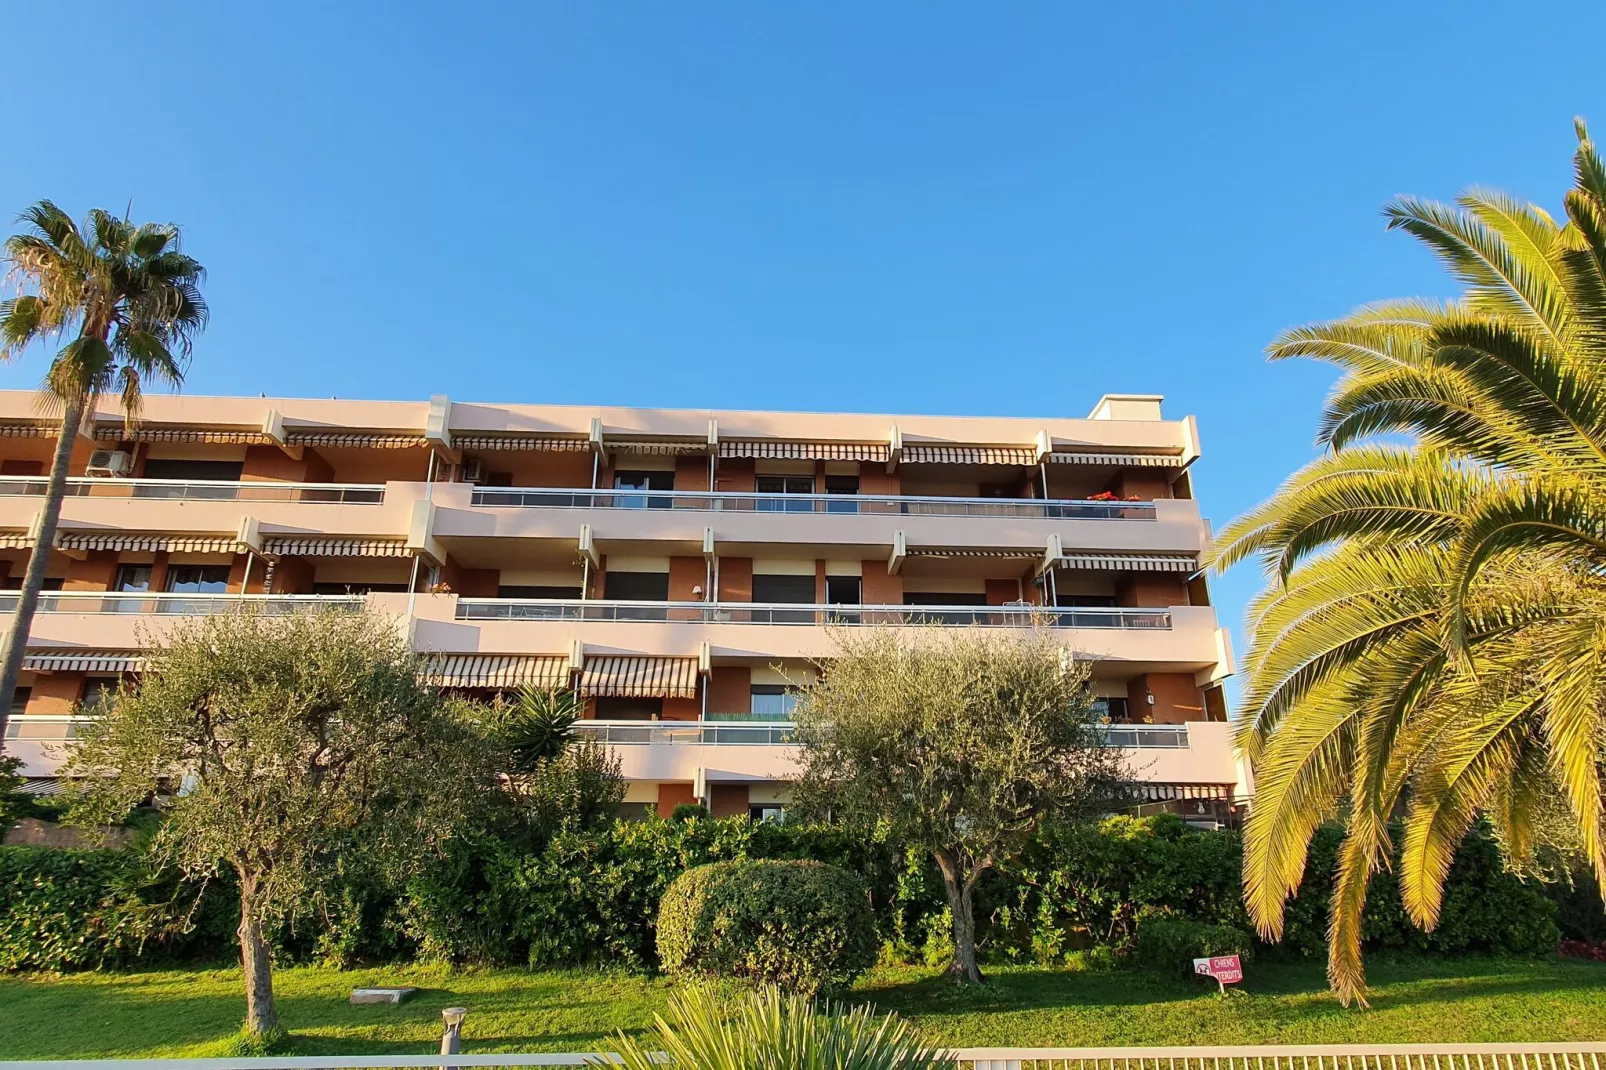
(201, 490)
(474, 522)
(791, 613)
(94, 620)
(712, 733)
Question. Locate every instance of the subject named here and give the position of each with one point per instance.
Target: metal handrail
(1015, 616)
(1144, 736)
(179, 605)
(767, 502)
(724, 733)
(202, 490)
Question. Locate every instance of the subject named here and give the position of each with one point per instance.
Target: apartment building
(682, 569)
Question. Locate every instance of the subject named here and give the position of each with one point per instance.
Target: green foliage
(769, 1030)
(13, 804)
(536, 727)
(1167, 943)
(688, 812)
(802, 925)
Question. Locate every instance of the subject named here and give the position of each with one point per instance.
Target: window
(642, 481)
(359, 588)
(1085, 600)
(1113, 708)
(227, 471)
(97, 688)
(766, 812)
(198, 579)
(132, 578)
(845, 486)
(783, 589)
(773, 702)
(636, 586)
(19, 701)
(842, 590)
(922, 598)
(784, 485)
(610, 708)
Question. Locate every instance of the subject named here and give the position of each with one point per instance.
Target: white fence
(1584, 1056)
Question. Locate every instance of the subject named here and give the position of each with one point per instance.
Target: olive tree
(957, 741)
(277, 746)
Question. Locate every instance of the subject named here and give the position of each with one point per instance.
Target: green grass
(196, 1012)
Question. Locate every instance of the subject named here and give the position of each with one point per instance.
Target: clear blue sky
(914, 207)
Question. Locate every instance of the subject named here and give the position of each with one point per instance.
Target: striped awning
(498, 670)
(209, 435)
(1023, 553)
(15, 540)
(300, 546)
(1120, 460)
(377, 440)
(774, 450)
(618, 676)
(969, 455)
(1172, 792)
(83, 661)
(148, 543)
(1130, 562)
(520, 442)
(659, 449)
(29, 430)
(41, 787)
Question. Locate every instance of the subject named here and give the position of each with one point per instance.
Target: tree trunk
(961, 903)
(16, 641)
(261, 1016)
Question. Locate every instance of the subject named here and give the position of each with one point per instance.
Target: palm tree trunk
(16, 641)
(256, 962)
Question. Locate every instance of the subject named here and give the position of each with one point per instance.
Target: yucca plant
(1433, 635)
(769, 1030)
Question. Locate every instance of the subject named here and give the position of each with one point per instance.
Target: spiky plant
(1433, 633)
(767, 1030)
(128, 305)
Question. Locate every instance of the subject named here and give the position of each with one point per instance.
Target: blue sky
(914, 207)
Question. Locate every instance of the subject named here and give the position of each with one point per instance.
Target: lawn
(194, 1012)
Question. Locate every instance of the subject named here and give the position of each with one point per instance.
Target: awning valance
(148, 543)
(498, 670)
(209, 435)
(620, 676)
(520, 442)
(658, 449)
(1023, 553)
(353, 440)
(28, 430)
(15, 540)
(1119, 460)
(774, 450)
(1018, 455)
(1171, 792)
(301, 546)
(1129, 562)
(109, 661)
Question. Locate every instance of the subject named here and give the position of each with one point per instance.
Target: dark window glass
(921, 598)
(783, 589)
(197, 579)
(766, 812)
(132, 578)
(1086, 600)
(845, 486)
(359, 588)
(184, 469)
(97, 688)
(784, 485)
(636, 586)
(19, 701)
(629, 709)
(571, 594)
(773, 702)
(1113, 708)
(842, 590)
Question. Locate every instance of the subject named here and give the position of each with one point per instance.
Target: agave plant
(769, 1030)
(538, 726)
(1432, 638)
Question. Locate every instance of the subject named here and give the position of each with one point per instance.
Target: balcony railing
(776, 733)
(795, 613)
(1144, 736)
(724, 734)
(202, 490)
(754, 502)
(181, 605)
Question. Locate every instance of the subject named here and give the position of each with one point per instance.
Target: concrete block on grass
(382, 995)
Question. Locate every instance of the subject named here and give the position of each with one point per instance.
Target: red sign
(1226, 969)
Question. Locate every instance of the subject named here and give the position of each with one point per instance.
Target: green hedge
(1168, 943)
(799, 924)
(593, 898)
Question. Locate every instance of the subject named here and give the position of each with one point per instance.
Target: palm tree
(537, 727)
(1432, 639)
(129, 304)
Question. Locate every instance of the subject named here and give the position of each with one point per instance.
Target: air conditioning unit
(473, 470)
(110, 463)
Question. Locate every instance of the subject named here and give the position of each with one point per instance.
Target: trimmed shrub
(1168, 943)
(688, 812)
(802, 925)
